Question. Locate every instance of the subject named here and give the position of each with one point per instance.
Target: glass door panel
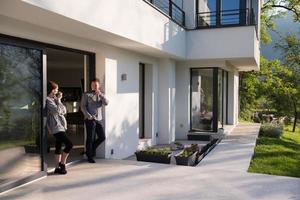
(202, 99)
(20, 112)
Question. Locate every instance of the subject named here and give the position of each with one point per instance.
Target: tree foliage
(272, 9)
(277, 84)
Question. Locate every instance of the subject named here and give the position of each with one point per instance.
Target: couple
(91, 104)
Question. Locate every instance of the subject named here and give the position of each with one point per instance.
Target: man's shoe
(91, 160)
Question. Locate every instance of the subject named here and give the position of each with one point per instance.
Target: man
(91, 106)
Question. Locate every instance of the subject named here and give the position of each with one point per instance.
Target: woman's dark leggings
(61, 138)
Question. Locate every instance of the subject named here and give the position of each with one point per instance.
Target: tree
(272, 9)
(275, 83)
(289, 46)
(250, 87)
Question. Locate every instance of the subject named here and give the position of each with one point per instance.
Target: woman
(57, 125)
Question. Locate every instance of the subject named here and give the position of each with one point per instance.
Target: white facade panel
(166, 103)
(134, 20)
(237, 44)
(182, 101)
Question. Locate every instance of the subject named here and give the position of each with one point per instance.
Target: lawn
(278, 156)
(13, 143)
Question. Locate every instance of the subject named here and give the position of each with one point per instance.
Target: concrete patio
(221, 175)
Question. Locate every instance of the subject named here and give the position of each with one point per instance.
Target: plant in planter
(188, 156)
(177, 146)
(154, 154)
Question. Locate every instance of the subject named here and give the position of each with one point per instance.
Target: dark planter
(149, 157)
(31, 148)
(208, 147)
(200, 156)
(187, 161)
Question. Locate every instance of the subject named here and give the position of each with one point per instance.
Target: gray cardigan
(91, 105)
(56, 122)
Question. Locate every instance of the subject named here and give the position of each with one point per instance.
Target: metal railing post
(170, 9)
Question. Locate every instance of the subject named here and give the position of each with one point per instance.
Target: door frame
(42, 46)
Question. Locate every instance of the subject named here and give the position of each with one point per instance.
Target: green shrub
(271, 130)
(188, 151)
(157, 150)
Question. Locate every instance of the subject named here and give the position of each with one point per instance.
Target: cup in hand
(59, 95)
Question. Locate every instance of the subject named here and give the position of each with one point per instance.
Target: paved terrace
(221, 175)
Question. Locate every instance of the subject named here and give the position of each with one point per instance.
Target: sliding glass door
(20, 112)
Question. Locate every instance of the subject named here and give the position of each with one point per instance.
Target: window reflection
(202, 99)
(20, 112)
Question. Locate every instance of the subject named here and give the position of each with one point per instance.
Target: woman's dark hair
(51, 85)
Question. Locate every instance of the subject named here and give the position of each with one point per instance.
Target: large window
(209, 99)
(20, 112)
(202, 99)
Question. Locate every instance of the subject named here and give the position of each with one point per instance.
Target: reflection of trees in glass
(20, 95)
(206, 104)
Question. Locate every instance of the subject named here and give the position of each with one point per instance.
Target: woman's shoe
(62, 168)
(57, 170)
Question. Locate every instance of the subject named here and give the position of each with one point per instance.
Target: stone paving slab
(235, 151)
(129, 180)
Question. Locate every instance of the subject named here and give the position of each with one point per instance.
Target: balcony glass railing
(171, 9)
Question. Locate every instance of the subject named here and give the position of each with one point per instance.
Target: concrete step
(204, 136)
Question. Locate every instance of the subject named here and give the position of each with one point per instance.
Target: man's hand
(91, 118)
(99, 93)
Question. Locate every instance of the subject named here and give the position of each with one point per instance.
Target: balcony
(170, 9)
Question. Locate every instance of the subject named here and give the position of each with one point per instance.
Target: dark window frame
(215, 71)
(244, 12)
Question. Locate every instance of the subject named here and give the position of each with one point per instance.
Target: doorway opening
(146, 99)
(68, 69)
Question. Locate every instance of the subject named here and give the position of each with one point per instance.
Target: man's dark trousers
(93, 128)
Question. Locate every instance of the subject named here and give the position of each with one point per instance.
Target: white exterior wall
(182, 101)
(166, 106)
(233, 101)
(129, 24)
(126, 24)
(220, 43)
(237, 44)
(122, 113)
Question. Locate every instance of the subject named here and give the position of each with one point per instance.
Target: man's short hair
(95, 80)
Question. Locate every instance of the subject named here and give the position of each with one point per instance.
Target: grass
(13, 143)
(278, 156)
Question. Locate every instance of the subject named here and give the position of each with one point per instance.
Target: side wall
(166, 112)
(122, 113)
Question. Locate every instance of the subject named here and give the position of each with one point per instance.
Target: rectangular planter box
(200, 157)
(207, 148)
(187, 161)
(31, 149)
(147, 157)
